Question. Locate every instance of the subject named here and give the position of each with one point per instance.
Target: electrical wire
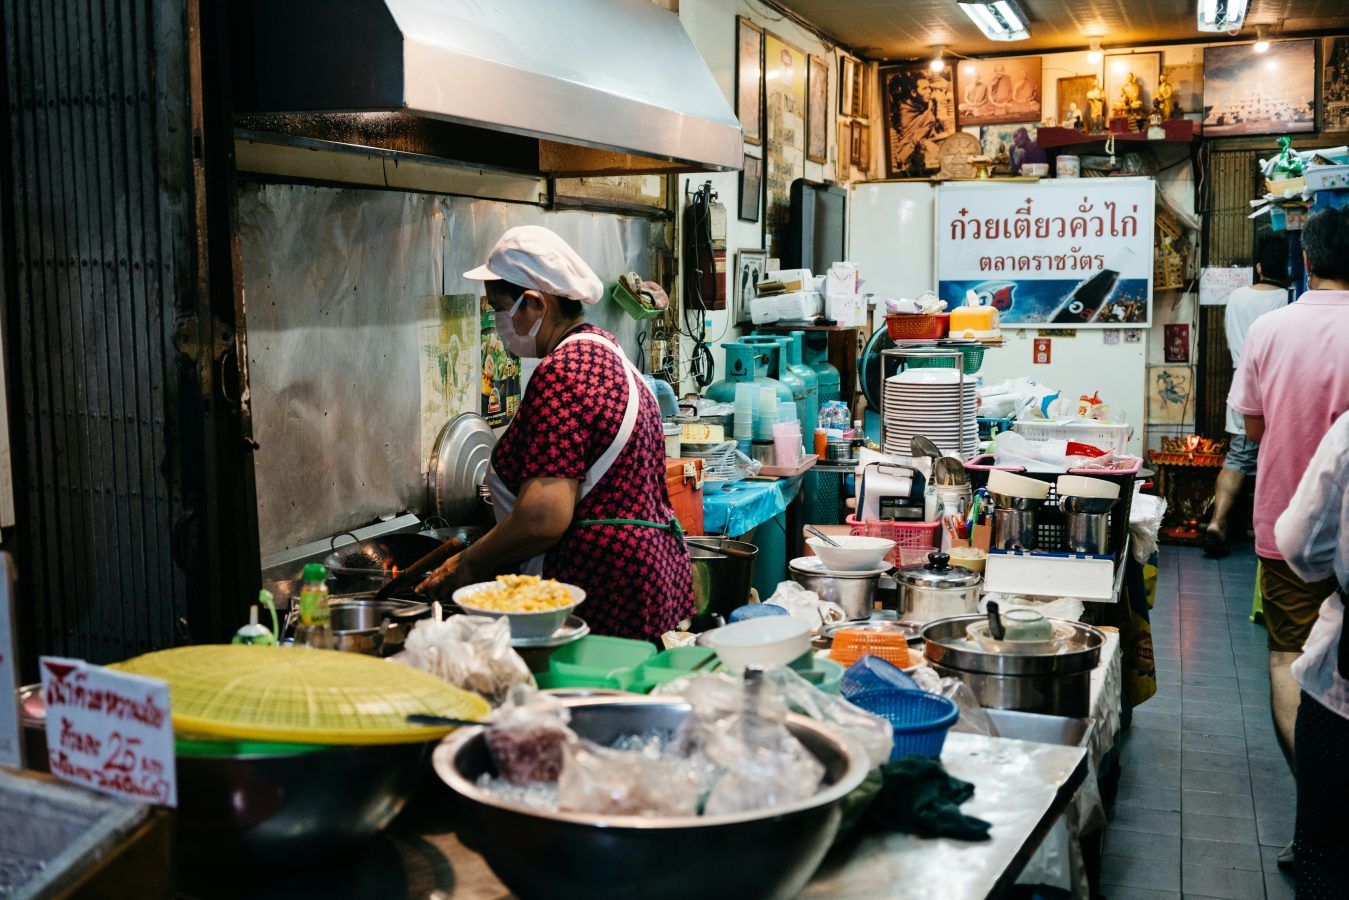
(697, 241)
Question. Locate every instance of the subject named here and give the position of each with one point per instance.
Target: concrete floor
(1205, 799)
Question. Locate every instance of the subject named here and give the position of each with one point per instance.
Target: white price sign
(109, 731)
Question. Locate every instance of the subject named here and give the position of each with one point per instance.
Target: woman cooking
(578, 477)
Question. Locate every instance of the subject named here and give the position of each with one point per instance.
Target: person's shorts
(1290, 604)
(1241, 452)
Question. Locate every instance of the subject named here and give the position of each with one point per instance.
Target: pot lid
(813, 565)
(938, 572)
(457, 468)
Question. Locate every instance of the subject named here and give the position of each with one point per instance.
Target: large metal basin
(572, 855)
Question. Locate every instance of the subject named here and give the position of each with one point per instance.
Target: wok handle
(413, 574)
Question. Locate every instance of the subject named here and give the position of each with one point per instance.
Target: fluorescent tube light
(1221, 15)
(999, 20)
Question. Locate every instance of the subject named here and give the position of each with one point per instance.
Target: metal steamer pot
(854, 591)
(1056, 683)
(937, 589)
(362, 624)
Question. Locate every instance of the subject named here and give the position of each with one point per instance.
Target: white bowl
(1082, 486)
(768, 642)
(1010, 484)
(857, 553)
(523, 624)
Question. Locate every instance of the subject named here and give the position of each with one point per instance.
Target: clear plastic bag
(806, 606)
(529, 736)
(470, 652)
(613, 782)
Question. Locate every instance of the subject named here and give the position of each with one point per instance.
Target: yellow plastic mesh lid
(300, 695)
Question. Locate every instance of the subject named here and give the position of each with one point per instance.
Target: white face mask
(524, 346)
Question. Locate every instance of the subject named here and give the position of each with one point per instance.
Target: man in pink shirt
(1293, 383)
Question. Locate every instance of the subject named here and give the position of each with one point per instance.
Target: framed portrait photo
(750, 268)
(1260, 93)
(994, 91)
(847, 82)
(817, 109)
(751, 188)
(1145, 67)
(749, 43)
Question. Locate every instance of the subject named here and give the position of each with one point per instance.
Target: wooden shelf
(1178, 131)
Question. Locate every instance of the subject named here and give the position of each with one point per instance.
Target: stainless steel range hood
(560, 87)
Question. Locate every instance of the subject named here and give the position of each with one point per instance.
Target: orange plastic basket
(917, 327)
(851, 644)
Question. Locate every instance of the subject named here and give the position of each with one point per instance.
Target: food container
(721, 582)
(971, 558)
(854, 553)
(1035, 170)
(539, 854)
(1056, 683)
(673, 438)
(767, 642)
(937, 589)
(1067, 166)
(1014, 522)
(855, 592)
(377, 628)
(523, 624)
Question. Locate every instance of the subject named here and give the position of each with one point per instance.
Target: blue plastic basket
(756, 611)
(873, 673)
(920, 719)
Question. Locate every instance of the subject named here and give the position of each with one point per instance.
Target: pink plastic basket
(913, 540)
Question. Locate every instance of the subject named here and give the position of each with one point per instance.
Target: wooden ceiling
(906, 29)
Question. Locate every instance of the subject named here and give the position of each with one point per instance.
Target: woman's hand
(451, 575)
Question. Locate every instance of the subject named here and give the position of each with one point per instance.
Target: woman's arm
(543, 513)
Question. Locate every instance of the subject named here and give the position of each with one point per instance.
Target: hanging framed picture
(1073, 98)
(844, 157)
(1144, 67)
(861, 94)
(784, 134)
(993, 91)
(751, 188)
(1335, 84)
(1260, 93)
(817, 109)
(750, 266)
(919, 110)
(1187, 89)
(749, 90)
(860, 154)
(847, 83)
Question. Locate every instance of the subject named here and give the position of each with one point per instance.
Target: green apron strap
(671, 526)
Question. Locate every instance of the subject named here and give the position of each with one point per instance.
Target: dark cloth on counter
(918, 797)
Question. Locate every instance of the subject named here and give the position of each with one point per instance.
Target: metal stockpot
(854, 591)
(721, 582)
(1086, 524)
(937, 589)
(1014, 525)
(362, 625)
(1057, 683)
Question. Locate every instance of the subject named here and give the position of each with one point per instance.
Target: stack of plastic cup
(745, 395)
(766, 416)
(787, 444)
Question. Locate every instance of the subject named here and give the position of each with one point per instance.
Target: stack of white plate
(927, 403)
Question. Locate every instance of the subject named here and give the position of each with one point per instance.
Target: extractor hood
(563, 87)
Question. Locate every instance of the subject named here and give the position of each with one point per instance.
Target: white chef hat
(536, 258)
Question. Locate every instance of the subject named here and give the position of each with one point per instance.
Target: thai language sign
(109, 731)
(1071, 252)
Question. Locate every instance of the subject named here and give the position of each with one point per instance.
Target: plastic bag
(528, 735)
(470, 652)
(806, 606)
(614, 782)
(1069, 608)
(973, 719)
(1145, 520)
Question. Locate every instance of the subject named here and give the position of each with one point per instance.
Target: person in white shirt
(1313, 536)
(1244, 306)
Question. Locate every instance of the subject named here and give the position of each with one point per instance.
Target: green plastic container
(546, 680)
(669, 665)
(600, 657)
(631, 305)
(974, 358)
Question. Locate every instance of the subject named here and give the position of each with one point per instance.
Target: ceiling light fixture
(1002, 20)
(938, 64)
(1261, 38)
(1094, 54)
(1221, 15)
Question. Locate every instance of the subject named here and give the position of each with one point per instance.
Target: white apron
(503, 501)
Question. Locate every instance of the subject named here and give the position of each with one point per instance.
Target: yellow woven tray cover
(300, 695)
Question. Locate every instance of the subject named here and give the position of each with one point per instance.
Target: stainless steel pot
(1014, 522)
(854, 591)
(1086, 524)
(721, 582)
(937, 589)
(566, 855)
(362, 624)
(1056, 683)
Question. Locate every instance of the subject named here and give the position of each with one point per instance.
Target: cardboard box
(849, 310)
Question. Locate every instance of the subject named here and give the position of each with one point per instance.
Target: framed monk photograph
(749, 79)
(817, 109)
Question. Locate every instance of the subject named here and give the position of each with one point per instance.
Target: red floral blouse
(638, 580)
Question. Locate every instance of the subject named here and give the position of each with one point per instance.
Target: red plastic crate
(913, 540)
(917, 327)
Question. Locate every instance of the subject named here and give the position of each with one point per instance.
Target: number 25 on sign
(109, 731)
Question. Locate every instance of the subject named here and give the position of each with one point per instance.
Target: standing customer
(1313, 534)
(1292, 384)
(1244, 306)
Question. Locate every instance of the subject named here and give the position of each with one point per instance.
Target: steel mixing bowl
(770, 854)
(280, 807)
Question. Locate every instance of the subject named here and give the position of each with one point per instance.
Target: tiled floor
(1205, 799)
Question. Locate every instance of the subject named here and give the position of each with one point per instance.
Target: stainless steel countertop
(1018, 786)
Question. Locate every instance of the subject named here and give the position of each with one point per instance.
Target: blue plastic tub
(920, 719)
